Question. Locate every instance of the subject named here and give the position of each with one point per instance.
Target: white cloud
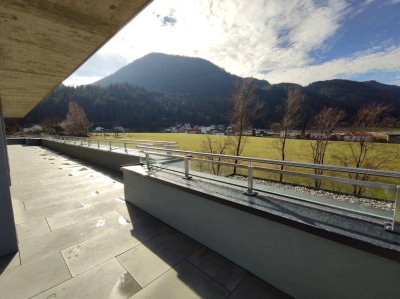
(364, 62)
(75, 80)
(244, 37)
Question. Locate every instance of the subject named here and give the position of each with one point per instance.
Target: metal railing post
(250, 180)
(395, 225)
(98, 143)
(186, 161)
(88, 142)
(125, 147)
(109, 143)
(147, 160)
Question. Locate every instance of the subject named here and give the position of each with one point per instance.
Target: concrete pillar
(8, 234)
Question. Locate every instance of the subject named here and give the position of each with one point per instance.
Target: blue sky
(377, 24)
(300, 41)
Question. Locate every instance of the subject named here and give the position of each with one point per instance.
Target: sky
(299, 41)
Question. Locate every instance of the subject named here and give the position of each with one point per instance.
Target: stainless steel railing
(201, 157)
(113, 144)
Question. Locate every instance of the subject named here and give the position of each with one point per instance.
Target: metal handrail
(383, 173)
(187, 156)
(110, 142)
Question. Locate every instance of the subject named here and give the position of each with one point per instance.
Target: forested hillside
(129, 106)
(160, 90)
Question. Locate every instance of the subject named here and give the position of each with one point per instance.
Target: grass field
(296, 151)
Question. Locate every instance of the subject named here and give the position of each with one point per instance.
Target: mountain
(130, 106)
(351, 95)
(393, 88)
(159, 90)
(174, 74)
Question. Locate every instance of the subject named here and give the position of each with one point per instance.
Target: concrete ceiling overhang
(43, 41)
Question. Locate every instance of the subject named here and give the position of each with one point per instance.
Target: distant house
(184, 128)
(357, 136)
(221, 128)
(290, 134)
(206, 130)
(258, 132)
(119, 129)
(98, 129)
(248, 133)
(194, 131)
(393, 137)
(228, 132)
(315, 135)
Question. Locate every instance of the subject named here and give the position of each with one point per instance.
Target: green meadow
(297, 150)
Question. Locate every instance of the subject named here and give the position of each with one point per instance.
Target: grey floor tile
(88, 254)
(253, 287)
(89, 211)
(39, 245)
(41, 212)
(9, 261)
(148, 261)
(51, 197)
(183, 282)
(21, 190)
(219, 268)
(73, 194)
(32, 228)
(103, 196)
(57, 181)
(108, 280)
(32, 278)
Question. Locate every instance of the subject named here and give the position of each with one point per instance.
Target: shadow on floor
(8, 261)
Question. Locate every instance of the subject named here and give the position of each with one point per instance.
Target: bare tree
(276, 127)
(324, 123)
(244, 108)
(11, 126)
(117, 129)
(76, 121)
(51, 125)
(215, 145)
(292, 117)
(361, 151)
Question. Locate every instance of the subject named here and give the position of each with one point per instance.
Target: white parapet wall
(109, 159)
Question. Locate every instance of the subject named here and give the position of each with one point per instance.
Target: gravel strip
(380, 204)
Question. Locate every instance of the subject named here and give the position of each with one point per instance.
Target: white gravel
(380, 204)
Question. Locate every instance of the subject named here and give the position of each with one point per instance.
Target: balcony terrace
(79, 238)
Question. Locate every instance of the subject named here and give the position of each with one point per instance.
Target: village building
(98, 129)
(358, 136)
(393, 137)
(290, 134)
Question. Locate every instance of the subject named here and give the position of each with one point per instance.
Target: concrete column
(8, 234)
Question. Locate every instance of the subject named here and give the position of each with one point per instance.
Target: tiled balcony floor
(78, 238)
